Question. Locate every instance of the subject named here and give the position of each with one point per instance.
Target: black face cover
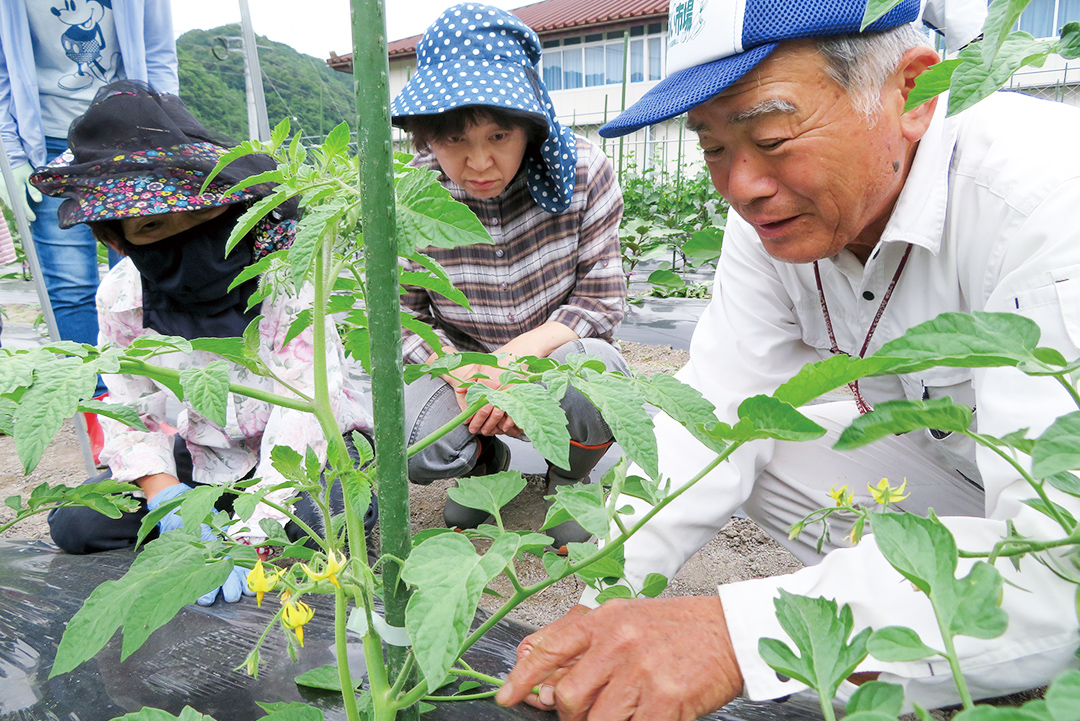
(185, 280)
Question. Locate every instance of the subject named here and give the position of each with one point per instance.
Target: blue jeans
(69, 267)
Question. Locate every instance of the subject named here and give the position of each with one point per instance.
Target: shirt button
(868, 295)
(504, 285)
(510, 316)
(499, 253)
(493, 221)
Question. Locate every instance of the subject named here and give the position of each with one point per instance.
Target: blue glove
(235, 585)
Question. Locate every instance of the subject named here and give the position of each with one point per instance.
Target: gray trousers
(430, 403)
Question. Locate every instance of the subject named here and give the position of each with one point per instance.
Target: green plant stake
(371, 79)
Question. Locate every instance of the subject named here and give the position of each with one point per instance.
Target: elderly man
(854, 221)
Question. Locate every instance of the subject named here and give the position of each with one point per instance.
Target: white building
(589, 46)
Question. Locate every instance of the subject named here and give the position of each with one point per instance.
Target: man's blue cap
(713, 43)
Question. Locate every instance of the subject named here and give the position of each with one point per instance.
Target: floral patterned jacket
(221, 455)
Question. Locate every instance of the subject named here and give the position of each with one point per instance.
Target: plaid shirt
(563, 267)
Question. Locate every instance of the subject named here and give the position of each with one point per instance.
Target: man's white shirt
(992, 209)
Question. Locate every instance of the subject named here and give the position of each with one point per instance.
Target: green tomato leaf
(1001, 18)
(645, 489)
(448, 578)
(610, 566)
(582, 502)
(337, 142)
(325, 677)
(895, 417)
(255, 213)
(17, 369)
(683, 403)
(767, 417)
(978, 77)
(623, 409)
(436, 279)
(931, 83)
(125, 414)
(536, 413)
(299, 324)
(976, 603)
(1065, 482)
(654, 585)
(1058, 448)
(960, 340)
(427, 212)
(313, 227)
(1048, 510)
(488, 493)
(877, 697)
(614, 592)
(875, 9)
(156, 714)
(288, 463)
(816, 379)
(169, 574)
(1063, 697)
(897, 643)
(921, 549)
(821, 635)
(704, 245)
(207, 389)
(555, 565)
(45, 405)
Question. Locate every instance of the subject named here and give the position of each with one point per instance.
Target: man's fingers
(546, 655)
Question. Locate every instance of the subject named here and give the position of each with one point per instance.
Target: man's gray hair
(861, 62)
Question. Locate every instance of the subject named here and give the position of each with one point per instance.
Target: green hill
(297, 86)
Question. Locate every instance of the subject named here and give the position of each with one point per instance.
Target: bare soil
(739, 552)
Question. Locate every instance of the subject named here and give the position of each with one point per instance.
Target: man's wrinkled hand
(665, 659)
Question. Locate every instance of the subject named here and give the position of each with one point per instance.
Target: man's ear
(915, 62)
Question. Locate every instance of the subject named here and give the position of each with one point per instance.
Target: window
(600, 58)
(1045, 18)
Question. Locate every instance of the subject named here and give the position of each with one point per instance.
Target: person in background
(54, 57)
(133, 175)
(550, 285)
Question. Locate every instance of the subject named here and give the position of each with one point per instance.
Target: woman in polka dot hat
(551, 284)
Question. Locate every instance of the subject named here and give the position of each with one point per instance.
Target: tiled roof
(546, 18)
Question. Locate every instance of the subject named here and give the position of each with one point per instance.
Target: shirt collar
(919, 215)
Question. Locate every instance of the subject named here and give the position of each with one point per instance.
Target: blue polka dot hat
(480, 55)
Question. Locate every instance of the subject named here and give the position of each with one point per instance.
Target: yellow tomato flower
(885, 494)
(334, 562)
(841, 495)
(260, 583)
(295, 616)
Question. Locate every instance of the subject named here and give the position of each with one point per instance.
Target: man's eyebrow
(768, 107)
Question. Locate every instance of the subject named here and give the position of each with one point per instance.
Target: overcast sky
(314, 27)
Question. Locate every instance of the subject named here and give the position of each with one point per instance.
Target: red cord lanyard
(860, 402)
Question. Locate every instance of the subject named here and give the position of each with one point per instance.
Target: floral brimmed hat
(136, 152)
(478, 55)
